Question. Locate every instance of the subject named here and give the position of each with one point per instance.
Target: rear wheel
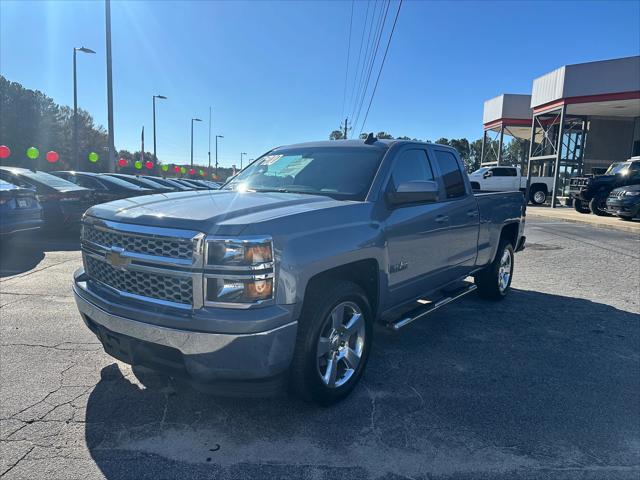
(538, 196)
(598, 204)
(333, 342)
(580, 206)
(494, 281)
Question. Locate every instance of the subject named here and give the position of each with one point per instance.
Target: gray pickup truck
(278, 278)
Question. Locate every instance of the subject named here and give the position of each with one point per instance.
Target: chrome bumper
(204, 357)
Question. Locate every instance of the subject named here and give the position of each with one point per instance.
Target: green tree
(336, 135)
(28, 118)
(384, 135)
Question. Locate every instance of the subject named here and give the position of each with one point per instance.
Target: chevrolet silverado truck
(502, 178)
(278, 278)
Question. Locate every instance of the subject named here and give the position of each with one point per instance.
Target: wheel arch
(364, 273)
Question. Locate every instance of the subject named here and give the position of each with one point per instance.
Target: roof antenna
(371, 139)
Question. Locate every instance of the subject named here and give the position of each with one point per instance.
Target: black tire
(598, 204)
(537, 195)
(305, 376)
(580, 207)
(487, 280)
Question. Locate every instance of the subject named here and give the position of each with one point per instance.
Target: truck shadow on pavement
(536, 386)
(23, 253)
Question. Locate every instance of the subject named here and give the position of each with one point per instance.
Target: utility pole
(217, 137)
(242, 155)
(76, 160)
(346, 128)
(111, 142)
(162, 97)
(209, 141)
(193, 120)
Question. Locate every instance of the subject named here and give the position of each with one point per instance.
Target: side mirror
(487, 174)
(414, 192)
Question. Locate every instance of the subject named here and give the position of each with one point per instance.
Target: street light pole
(76, 160)
(242, 155)
(193, 120)
(217, 137)
(162, 97)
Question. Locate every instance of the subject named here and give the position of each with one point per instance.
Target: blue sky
(274, 71)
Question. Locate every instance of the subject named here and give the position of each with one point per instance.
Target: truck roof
(382, 144)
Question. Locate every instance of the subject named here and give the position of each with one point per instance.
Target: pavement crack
(15, 464)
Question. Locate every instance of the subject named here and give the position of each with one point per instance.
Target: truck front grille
(161, 266)
(137, 243)
(160, 287)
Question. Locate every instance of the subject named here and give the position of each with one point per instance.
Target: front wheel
(598, 205)
(580, 207)
(333, 342)
(494, 281)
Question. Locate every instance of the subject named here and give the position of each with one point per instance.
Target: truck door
(416, 234)
(460, 205)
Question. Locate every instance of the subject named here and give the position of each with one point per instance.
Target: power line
(355, 79)
(381, 26)
(375, 87)
(365, 62)
(346, 73)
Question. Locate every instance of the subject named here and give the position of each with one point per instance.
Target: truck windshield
(480, 171)
(618, 168)
(341, 173)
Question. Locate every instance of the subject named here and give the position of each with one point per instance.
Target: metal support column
(556, 171)
(500, 146)
(484, 140)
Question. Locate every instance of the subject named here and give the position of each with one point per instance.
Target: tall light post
(217, 137)
(75, 105)
(242, 155)
(193, 120)
(161, 97)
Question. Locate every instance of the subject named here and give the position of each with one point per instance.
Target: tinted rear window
(48, 180)
(451, 174)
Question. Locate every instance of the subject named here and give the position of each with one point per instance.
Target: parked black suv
(590, 193)
(624, 202)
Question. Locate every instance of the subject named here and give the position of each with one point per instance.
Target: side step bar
(397, 325)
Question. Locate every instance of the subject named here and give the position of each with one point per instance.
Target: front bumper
(629, 207)
(200, 357)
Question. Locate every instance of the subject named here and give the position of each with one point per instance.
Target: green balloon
(33, 153)
(93, 157)
(138, 164)
(183, 170)
(165, 168)
(201, 173)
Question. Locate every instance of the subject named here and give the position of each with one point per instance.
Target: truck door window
(411, 166)
(504, 172)
(451, 175)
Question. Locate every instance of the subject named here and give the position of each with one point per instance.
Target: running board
(397, 325)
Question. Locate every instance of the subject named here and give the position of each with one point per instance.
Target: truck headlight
(631, 194)
(239, 272)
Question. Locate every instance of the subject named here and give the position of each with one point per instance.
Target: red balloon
(122, 162)
(192, 171)
(176, 169)
(4, 151)
(52, 157)
(149, 165)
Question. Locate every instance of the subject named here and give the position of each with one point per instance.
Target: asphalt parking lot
(543, 385)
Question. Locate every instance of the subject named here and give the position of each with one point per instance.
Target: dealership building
(577, 120)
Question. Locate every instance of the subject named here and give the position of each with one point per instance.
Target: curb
(623, 226)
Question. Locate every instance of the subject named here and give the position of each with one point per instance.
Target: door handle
(442, 219)
(472, 213)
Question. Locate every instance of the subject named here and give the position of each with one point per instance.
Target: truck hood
(213, 212)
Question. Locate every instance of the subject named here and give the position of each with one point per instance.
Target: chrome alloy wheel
(504, 272)
(539, 197)
(341, 344)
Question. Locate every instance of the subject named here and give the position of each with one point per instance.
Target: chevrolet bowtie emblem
(116, 259)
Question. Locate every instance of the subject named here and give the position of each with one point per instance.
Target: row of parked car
(32, 199)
